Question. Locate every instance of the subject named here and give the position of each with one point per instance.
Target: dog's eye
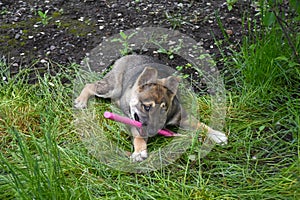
(146, 108)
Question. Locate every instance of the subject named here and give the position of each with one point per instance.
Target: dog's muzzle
(146, 131)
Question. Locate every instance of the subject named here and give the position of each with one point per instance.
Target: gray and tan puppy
(147, 92)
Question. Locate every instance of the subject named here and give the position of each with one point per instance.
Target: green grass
(43, 157)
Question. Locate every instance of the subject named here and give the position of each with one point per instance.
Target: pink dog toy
(126, 120)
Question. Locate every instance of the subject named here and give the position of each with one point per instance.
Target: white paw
(139, 156)
(80, 103)
(218, 137)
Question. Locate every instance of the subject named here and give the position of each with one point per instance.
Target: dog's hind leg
(214, 135)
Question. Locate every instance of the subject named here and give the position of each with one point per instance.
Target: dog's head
(153, 100)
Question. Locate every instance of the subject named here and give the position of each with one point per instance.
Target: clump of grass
(264, 97)
(35, 127)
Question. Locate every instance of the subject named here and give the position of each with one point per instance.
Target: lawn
(42, 156)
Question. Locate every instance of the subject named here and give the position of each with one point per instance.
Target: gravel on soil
(70, 29)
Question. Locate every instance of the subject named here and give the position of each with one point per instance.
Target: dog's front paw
(139, 156)
(80, 102)
(218, 137)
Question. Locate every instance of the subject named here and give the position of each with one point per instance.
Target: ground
(70, 29)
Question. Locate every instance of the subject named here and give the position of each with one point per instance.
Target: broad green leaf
(269, 19)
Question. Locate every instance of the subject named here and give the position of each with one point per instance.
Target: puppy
(145, 91)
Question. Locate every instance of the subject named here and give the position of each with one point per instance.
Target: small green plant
(124, 41)
(44, 18)
(230, 4)
(170, 52)
(167, 52)
(180, 68)
(3, 12)
(176, 20)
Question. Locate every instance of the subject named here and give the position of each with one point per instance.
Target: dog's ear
(171, 83)
(149, 75)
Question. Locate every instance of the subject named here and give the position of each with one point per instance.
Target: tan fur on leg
(140, 147)
(82, 99)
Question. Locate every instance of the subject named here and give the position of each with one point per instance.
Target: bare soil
(72, 28)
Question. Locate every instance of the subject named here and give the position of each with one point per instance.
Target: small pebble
(171, 43)
(17, 36)
(229, 32)
(43, 61)
(52, 47)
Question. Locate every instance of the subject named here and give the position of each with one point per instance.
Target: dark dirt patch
(75, 27)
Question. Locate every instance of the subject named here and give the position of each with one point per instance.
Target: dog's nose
(144, 123)
(151, 132)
